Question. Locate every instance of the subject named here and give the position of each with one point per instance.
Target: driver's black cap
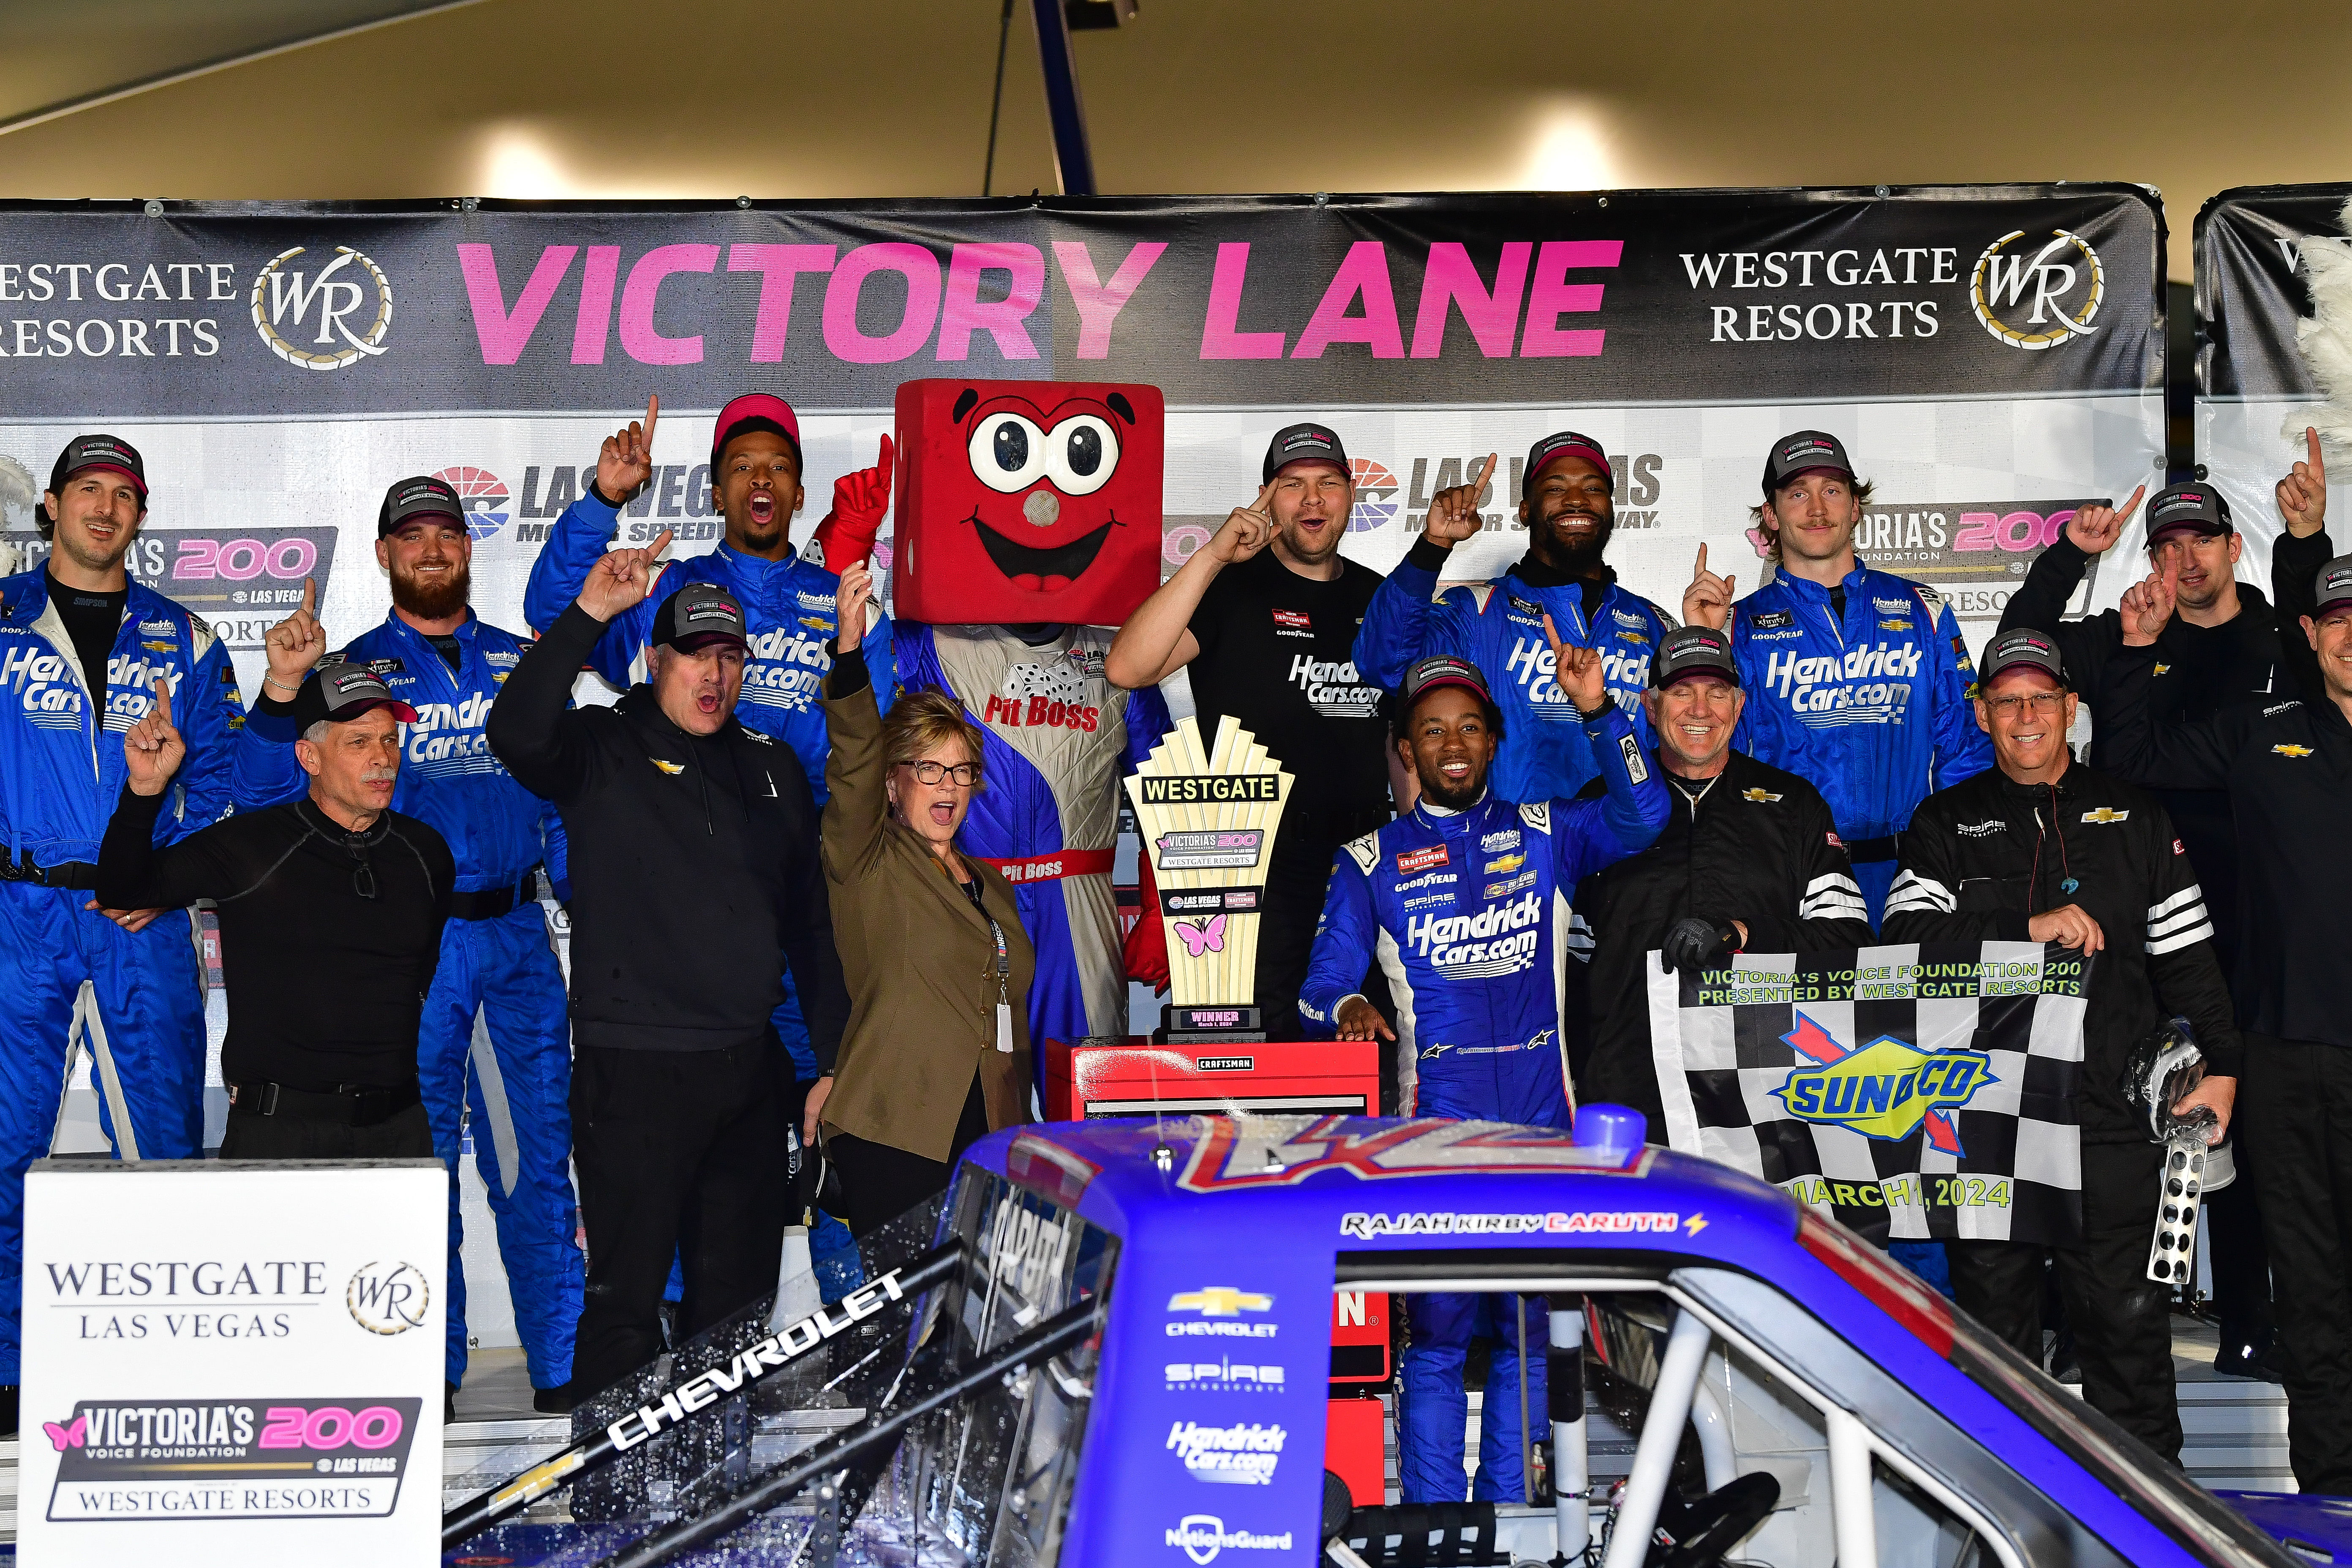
(420, 496)
(1791, 455)
(1309, 443)
(338, 691)
(697, 615)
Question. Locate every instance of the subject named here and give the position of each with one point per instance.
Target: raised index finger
(309, 596)
(2310, 441)
(1264, 492)
(660, 543)
(1699, 570)
(1485, 474)
(2132, 505)
(163, 699)
(653, 415)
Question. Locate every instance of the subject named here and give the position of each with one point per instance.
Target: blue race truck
(1112, 1344)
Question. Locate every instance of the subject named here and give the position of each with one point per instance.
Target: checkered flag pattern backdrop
(1910, 1091)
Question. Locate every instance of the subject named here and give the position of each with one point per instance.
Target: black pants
(2239, 1259)
(2295, 1111)
(252, 1136)
(2122, 1319)
(879, 1182)
(679, 1154)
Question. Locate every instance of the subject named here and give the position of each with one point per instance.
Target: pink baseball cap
(754, 411)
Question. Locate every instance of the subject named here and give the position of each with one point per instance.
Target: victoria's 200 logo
(350, 298)
(388, 1297)
(2038, 302)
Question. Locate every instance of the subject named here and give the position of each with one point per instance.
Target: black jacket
(2286, 766)
(329, 939)
(1982, 858)
(2199, 671)
(695, 873)
(1760, 848)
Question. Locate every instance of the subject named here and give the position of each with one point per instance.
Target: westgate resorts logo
(350, 298)
(2037, 302)
(1885, 1090)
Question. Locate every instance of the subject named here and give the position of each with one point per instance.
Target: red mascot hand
(1146, 948)
(860, 500)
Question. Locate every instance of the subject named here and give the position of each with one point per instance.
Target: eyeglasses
(2040, 702)
(965, 775)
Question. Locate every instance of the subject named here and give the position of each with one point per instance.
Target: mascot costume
(1028, 525)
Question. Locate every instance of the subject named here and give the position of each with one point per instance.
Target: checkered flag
(1913, 1091)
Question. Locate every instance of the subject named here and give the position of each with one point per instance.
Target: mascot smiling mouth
(1046, 569)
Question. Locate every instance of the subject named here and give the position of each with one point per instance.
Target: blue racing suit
(1498, 626)
(1465, 911)
(61, 771)
(496, 1038)
(1056, 738)
(1871, 708)
(788, 612)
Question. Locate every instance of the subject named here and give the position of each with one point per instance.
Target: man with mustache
(2220, 647)
(1568, 506)
(81, 646)
(495, 1037)
(1459, 899)
(1857, 680)
(330, 910)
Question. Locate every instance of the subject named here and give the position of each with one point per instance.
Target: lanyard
(971, 890)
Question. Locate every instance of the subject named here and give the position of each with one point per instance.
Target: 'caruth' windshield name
(1370, 1226)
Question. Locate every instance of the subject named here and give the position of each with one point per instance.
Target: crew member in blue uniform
(81, 647)
(1568, 506)
(1857, 680)
(1462, 900)
(495, 1038)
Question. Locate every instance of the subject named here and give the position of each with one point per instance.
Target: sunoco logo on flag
(1885, 1085)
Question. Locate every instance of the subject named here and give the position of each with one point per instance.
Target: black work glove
(1694, 944)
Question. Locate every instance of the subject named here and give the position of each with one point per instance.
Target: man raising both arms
(1857, 680)
(1568, 506)
(1264, 616)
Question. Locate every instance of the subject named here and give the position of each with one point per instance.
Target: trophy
(1208, 819)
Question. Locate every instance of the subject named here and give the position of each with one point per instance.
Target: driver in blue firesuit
(495, 1039)
(1458, 898)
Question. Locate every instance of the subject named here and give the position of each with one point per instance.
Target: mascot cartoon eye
(1081, 454)
(1008, 452)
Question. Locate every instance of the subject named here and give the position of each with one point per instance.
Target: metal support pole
(1662, 1434)
(1852, 1511)
(1073, 163)
(1571, 1470)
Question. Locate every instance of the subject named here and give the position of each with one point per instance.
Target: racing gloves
(1694, 942)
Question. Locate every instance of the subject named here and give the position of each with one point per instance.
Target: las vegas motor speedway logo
(348, 331)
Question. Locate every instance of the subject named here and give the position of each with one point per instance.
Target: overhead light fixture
(1569, 150)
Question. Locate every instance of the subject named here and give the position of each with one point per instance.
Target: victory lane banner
(1910, 1092)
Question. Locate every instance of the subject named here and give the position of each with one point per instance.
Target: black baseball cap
(2194, 507)
(696, 615)
(338, 691)
(2334, 586)
(1791, 455)
(109, 452)
(1444, 670)
(422, 496)
(2020, 646)
(1566, 444)
(1694, 650)
(1307, 443)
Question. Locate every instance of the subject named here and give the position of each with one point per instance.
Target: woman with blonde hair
(937, 1052)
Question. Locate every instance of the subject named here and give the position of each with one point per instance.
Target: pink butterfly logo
(1202, 936)
(63, 1438)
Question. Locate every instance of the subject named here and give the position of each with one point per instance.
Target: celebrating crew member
(1263, 617)
(694, 877)
(755, 488)
(2222, 648)
(1568, 505)
(937, 1052)
(81, 646)
(2043, 848)
(1456, 895)
(330, 909)
(1760, 869)
(497, 964)
(2288, 769)
(1858, 679)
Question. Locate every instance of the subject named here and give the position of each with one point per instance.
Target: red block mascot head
(1027, 500)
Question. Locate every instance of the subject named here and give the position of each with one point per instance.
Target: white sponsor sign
(228, 1364)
